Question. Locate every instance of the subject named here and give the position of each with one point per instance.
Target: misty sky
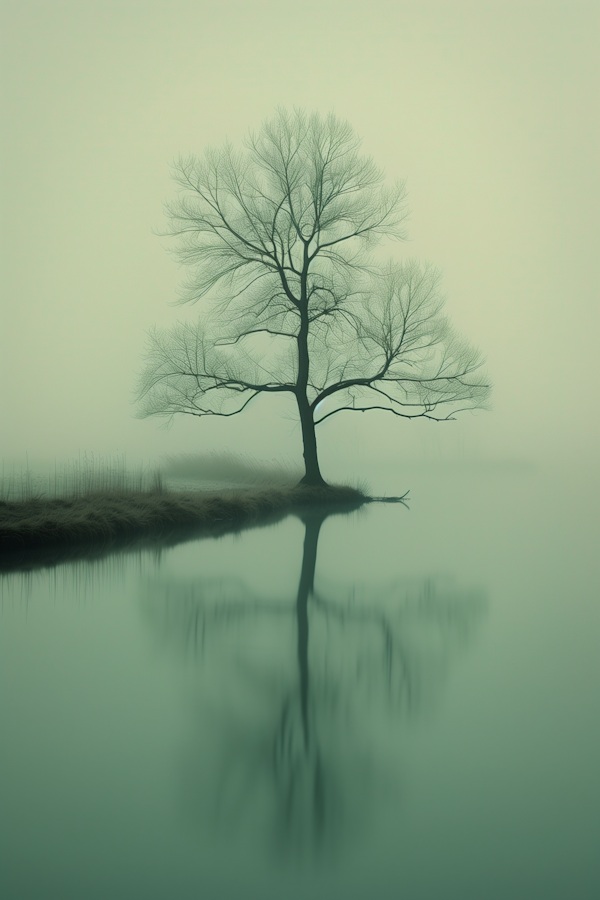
(488, 109)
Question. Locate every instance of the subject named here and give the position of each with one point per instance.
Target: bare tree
(279, 236)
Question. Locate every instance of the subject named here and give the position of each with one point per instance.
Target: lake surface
(390, 703)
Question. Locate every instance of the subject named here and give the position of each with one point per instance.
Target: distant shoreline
(66, 527)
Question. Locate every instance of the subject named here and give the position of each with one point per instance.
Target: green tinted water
(421, 721)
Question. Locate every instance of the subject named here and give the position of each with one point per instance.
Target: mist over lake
(152, 704)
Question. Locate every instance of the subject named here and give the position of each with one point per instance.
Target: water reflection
(294, 736)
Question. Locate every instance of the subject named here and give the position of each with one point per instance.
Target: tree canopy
(277, 238)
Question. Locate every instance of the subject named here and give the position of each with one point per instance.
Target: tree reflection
(299, 750)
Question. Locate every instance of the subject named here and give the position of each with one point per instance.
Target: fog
(488, 109)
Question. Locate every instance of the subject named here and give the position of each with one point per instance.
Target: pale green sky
(488, 109)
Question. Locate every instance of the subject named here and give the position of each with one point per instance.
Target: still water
(388, 703)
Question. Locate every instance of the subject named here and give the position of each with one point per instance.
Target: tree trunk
(312, 473)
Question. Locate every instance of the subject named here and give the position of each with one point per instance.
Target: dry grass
(94, 505)
(110, 517)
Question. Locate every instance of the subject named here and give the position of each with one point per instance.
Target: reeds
(88, 474)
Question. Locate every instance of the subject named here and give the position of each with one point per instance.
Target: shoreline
(96, 523)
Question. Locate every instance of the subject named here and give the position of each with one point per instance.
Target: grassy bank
(109, 517)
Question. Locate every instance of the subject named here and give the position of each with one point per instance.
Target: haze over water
(422, 720)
